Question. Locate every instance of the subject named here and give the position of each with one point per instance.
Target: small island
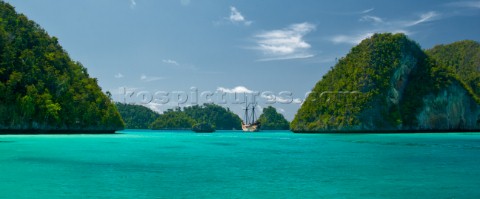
(270, 119)
(204, 117)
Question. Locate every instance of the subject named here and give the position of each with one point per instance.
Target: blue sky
(267, 46)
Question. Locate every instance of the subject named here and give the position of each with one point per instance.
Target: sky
(169, 53)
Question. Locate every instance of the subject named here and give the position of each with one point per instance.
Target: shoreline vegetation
(399, 88)
(55, 132)
(388, 132)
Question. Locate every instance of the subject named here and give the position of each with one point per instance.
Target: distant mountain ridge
(400, 88)
(43, 90)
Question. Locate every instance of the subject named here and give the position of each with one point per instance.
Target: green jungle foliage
(357, 91)
(41, 87)
(173, 120)
(270, 119)
(136, 116)
(221, 118)
(463, 58)
(215, 115)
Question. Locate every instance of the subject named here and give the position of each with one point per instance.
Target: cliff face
(451, 109)
(42, 89)
(397, 88)
(383, 112)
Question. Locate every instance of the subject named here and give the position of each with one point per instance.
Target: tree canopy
(270, 119)
(136, 116)
(381, 84)
(221, 118)
(463, 58)
(217, 116)
(42, 88)
(173, 120)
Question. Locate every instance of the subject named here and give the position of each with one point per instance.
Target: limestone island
(389, 84)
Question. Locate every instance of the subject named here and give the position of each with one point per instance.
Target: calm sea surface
(229, 164)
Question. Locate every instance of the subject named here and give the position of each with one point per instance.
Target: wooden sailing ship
(250, 124)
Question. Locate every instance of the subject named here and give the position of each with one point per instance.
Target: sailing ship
(249, 124)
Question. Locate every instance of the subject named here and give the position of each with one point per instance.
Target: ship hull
(250, 128)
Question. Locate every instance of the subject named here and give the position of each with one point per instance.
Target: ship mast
(250, 125)
(249, 118)
(253, 113)
(246, 111)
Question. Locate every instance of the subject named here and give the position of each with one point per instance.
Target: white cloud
(297, 101)
(468, 4)
(270, 98)
(157, 107)
(287, 43)
(350, 39)
(150, 79)
(369, 18)
(283, 100)
(119, 75)
(299, 56)
(169, 61)
(281, 110)
(425, 17)
(238, 89)
(367, 11)
(133, 3)
(237, 17)
(274, 98)
(381, 26)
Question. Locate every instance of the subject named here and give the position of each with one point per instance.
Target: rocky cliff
(450, 109)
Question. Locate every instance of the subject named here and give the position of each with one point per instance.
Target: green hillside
(42, 88)
(388, 83)
(463, 58)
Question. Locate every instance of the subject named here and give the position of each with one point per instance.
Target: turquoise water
(277, 164)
